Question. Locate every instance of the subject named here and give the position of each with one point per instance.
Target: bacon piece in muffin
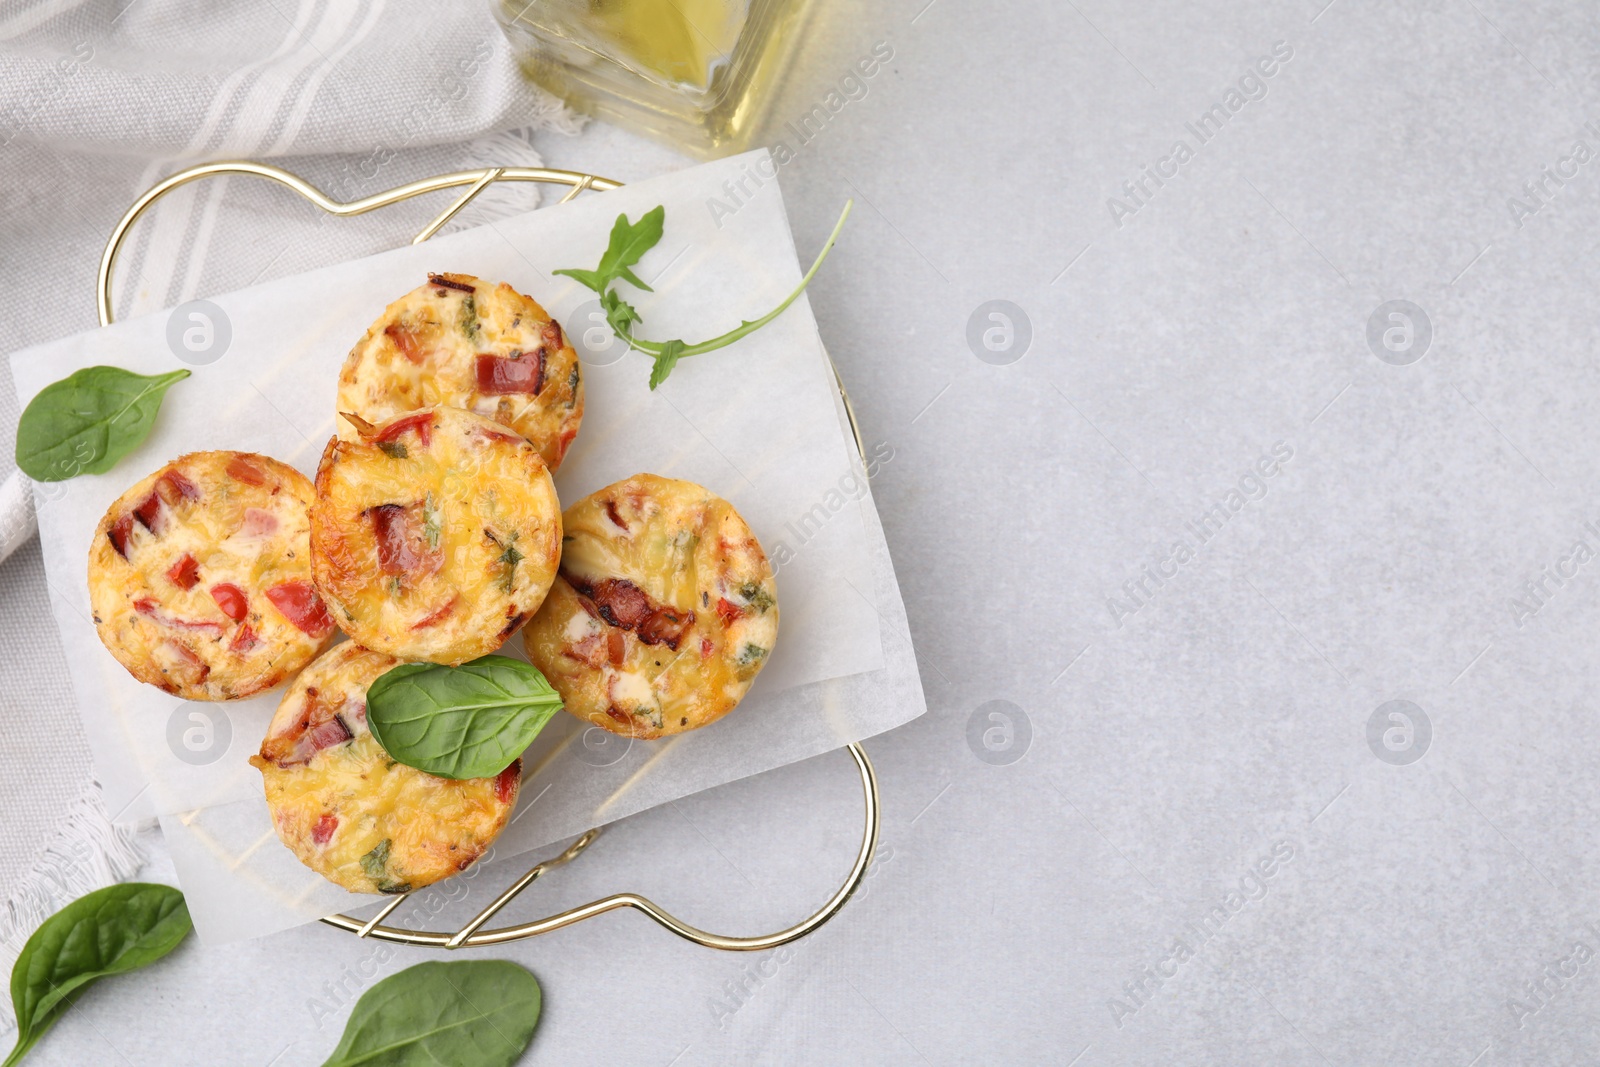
(664, 611)
(200, 577)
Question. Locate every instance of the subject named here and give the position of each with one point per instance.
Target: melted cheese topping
(357, 817)
(435, 550)
(180, 569)
(424, 351)
(692, 554)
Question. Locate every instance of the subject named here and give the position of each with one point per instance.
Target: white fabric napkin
(100, 99)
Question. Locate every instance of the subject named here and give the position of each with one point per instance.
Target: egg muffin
(200, 577)
(351, 813)
(465, 343)
(663, 613)
(434, 535)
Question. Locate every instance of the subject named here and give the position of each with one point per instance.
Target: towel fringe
(85, 852)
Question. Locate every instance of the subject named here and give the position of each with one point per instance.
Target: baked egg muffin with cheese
(200, 577)
(663, 613)
(348, 811)
(461, 342)
(433, 535)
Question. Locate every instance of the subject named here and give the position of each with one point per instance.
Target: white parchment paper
(759, 423)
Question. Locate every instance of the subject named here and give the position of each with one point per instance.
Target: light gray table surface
(1199, 837)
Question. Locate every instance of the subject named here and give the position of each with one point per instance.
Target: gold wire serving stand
(473, 933)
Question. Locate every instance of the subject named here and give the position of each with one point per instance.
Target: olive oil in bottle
(695, 73)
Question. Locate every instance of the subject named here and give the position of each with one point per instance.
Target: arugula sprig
(629, 242)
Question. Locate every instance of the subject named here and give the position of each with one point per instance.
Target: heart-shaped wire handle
(476, 181)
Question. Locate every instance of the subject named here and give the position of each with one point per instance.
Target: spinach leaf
(89, 420)
(110, 931)
(469, 721)
(467, 1013)
(630, 241)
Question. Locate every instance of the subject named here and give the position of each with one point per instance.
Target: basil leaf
(469, 721)
(110, 931)
(466, 1013)
(89, 420)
